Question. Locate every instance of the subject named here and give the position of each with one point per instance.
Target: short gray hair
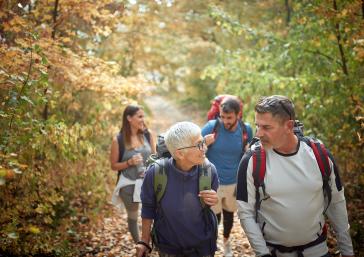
(181, 134)
(277, 105)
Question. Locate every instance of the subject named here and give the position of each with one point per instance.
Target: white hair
(181, 134)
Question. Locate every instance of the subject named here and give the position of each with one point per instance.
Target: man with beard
(283, 214)
(226, 142)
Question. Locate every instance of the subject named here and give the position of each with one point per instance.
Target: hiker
(183, 224)
(296, 181)
(227, 138)
(129, 151)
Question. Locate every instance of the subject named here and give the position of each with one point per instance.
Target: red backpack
(214, 114)
(259, 169)
(214, 111)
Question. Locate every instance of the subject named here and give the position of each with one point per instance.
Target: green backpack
(159, 160)
(160, 184)
(160, 177)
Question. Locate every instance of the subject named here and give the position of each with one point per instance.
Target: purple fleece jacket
(180, 220)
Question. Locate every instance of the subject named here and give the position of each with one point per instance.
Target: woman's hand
(209, 197)
(136, 159)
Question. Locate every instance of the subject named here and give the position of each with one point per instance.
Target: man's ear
(179, 154)
(290, 124)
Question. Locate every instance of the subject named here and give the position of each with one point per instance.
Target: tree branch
(341, 48)
(324, 55)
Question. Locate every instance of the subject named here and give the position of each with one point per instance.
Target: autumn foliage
(56, 107)
(68, 67)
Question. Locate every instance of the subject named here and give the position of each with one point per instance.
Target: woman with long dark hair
(130, 149)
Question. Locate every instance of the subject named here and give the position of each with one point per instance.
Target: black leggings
(227, 222)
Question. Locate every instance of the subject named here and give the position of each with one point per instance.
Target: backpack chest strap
(204, 181)
(299, 248)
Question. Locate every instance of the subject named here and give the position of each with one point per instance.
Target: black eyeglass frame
(285, 109)
(199, 145)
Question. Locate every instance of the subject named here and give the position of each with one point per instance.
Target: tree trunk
(289, 10)
(45, 110)
(55, 14)
(339, 42)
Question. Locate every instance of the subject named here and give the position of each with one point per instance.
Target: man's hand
(209, 197)
(209, 139)
(142, 249)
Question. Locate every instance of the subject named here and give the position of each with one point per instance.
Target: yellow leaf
(332, 37)
(17, 29)
(3, 14)
(2, 172)
(66, 40)
(22, 166)
(33, 229)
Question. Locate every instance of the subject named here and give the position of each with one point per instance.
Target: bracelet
(146, 245)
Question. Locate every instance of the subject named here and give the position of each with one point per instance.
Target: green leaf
(44, 60)
(25, 98)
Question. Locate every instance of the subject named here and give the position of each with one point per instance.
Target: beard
(229, 126)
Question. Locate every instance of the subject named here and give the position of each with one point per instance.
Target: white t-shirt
(293, 213)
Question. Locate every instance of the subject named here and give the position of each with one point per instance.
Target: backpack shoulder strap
(216, 126)
(121, 144)
(259, 169)
(322, 158)
(120, 139)
(147, 135)
(160, 178)
(205, 176)
(204, 182)
(244, 131)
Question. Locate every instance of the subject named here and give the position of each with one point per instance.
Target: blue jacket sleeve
(208, 127)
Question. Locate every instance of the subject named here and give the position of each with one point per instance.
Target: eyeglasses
(199, 145)
(285, 109)
(272, 105)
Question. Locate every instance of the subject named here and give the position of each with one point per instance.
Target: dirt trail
(165, 113)
(111, 237)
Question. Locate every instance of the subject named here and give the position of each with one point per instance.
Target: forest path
(111, 237)
(166, 113)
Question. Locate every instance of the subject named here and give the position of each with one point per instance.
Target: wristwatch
(146, 245)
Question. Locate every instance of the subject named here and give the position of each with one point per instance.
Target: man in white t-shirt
(288, 219)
